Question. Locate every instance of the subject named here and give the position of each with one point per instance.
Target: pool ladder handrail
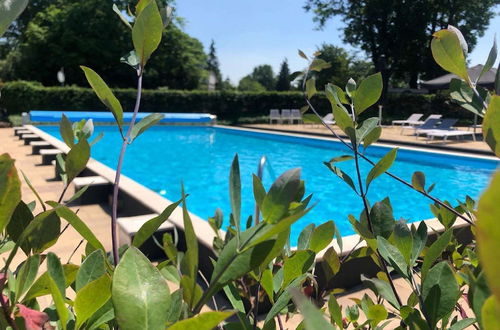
(260, 174)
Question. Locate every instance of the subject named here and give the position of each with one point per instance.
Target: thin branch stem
(409, 185)
(116, 184)
(369, 220)
(62, 194)
(280, 324)
(5, 309)
(74, 251)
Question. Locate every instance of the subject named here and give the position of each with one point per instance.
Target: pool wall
(140, 199)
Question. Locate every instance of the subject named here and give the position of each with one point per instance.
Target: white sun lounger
(414, 119)
(443, 133)
(328, 119)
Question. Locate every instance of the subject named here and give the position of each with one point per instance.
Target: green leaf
(382, 219)
(140, 293)
(382, 288)
(75, 221)
(435, 251)
(305, 237)
(331, 262)
(234, 297)
(269, 231)
(141, 4)
(131, 59)
(189, 264)
(299, 263)
(191, 291)
(66, 130)
(342, 118)
(403, 240)
(267, 283)
(381, 166)
(235, 192)
(442, 281)
(301, 54)
(368, 93)
(92, 268)
(105, 314)
(91, 298)
(9, 11)
(491, 125)
(335, 311)
(104, 94)
(465, 96)
(488, 234)
(57, 285)
(10, 188)
(322, 236)
(171, 274)
(366, 128)
(318, 64)
(26, 275)
(233, 264)
(177, 306)
(314, 319)
(145, 123)
(147, 32)
(151, 226)
(258, 190)
(121, 16)
(376, 314)
(207, 320)
(491, 314)
(335, 94)
(418, 181)
(392, 255)
(497, 80)
(448, 53)
(284, 297)
(372, 137)
(41, 286)
(20, 219)
(280, 195)
(350, 87)
(342, 175)
(311, 87)
(43, 231)
(462, 324)
(419, 241)
(492, 57)
(77, 158)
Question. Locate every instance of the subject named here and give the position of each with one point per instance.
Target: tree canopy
(213, 65)
(396, 34)
(283, 79)
(70, 33)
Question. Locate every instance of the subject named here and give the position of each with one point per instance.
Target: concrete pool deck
(390, 134)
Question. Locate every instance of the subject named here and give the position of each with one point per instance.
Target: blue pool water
(201, 158)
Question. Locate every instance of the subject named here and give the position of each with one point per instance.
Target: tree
(396, 34)
(213, 65)
(70, 33)
(283, 79)
(248, 84)
(264, 75)
(338, 72)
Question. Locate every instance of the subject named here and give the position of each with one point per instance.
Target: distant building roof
(443, 82)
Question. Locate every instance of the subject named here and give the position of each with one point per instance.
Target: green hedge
(22, 96)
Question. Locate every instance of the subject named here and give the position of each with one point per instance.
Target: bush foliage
(19, 96)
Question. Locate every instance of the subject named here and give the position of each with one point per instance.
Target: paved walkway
(390, 134)
(42, 178)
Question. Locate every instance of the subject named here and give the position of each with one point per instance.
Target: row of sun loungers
(286, 115)
(432, 127)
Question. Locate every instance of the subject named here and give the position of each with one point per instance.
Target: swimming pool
(201, 158)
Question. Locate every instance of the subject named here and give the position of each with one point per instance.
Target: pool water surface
(201, 157)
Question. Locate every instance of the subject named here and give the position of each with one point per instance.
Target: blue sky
(252, 32)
